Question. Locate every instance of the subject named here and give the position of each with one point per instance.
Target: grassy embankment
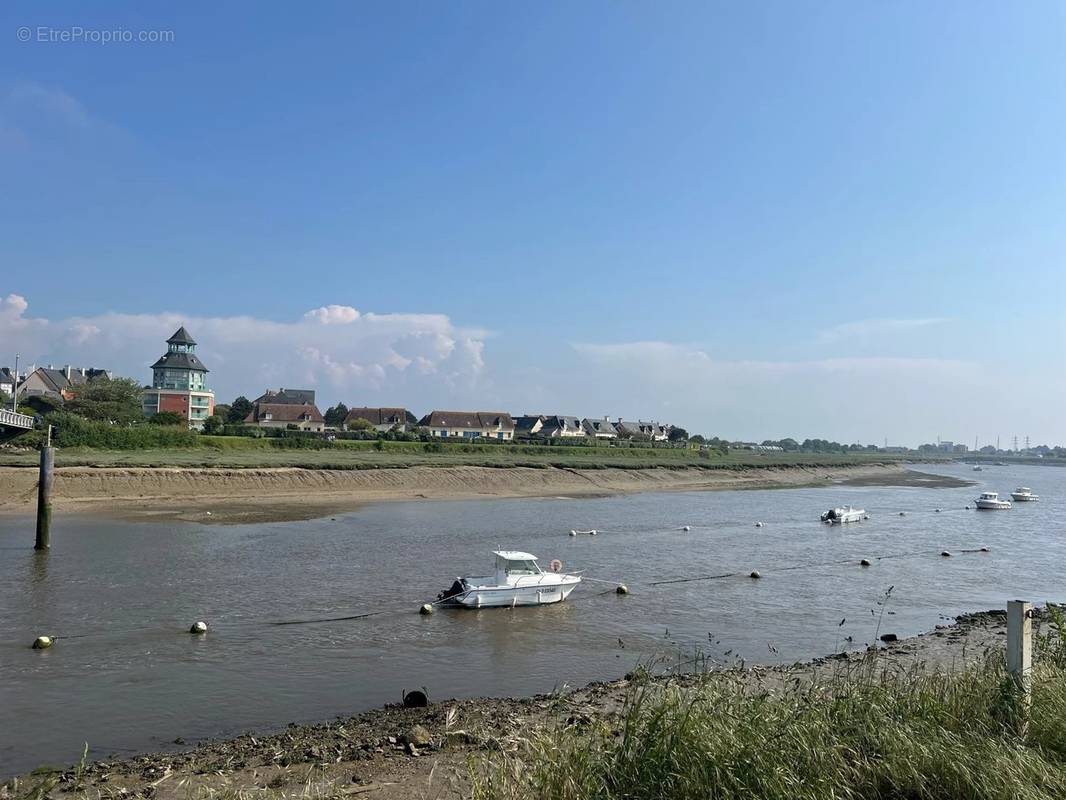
(238, 452)
(861, 734)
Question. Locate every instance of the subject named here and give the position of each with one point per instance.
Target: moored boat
(989, 501)
(844, 514)
(1023, 494)
(518, 581)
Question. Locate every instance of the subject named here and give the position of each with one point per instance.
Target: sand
(220, 495)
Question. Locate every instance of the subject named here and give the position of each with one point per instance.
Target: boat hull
(513, 596)
(1024, 498)
(993, 505)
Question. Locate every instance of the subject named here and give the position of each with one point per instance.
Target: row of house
(295, 408)
(53, 383)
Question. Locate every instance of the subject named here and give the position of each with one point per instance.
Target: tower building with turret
(179, 382)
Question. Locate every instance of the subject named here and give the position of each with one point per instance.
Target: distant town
(179, 395)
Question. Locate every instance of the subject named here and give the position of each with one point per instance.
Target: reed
(861, 732)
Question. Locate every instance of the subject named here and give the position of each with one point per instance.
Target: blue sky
(819, 219)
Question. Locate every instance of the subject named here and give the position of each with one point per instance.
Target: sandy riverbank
(249, 495)
(254, 494)
(370, 754)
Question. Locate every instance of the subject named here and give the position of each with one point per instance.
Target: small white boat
(989, 501)
(844, 514)
(518, 581)
(1023, 494)
(977, 468)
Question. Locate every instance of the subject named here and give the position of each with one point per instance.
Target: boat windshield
(518, 567)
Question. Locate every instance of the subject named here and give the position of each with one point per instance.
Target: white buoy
(756, 574)
(593, 533)
(622, 589)
(198, 627)
(573, 533)
(903, 513)
(686, 527)
(42, 642)
(425, 609)
(758, 524)
(209, 513)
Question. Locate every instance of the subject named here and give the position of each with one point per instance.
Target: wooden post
(1020, 646)
(44, 497)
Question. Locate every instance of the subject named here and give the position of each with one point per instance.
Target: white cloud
(347, 355)
(848, 399)
(50, 101)
(870, 328)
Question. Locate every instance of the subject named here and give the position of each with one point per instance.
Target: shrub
(74, 431)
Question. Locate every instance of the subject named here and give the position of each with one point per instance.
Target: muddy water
(126, 677)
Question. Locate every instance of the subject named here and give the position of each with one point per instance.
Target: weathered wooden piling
(44, 497)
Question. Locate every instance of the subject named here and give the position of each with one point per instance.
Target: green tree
(335, 415)
(360, 424)
(214, 423)
(697, 439)
(5, 401)
(167, 418)
(107, 400)
(678, 435)
(239, 409)
(221, 410)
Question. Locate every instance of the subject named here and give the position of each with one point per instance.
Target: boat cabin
(989, 496)
(515, 564)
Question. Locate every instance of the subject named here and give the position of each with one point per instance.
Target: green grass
(239, 452)
(860, 734)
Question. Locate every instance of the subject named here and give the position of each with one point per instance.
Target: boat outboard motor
(456, 588)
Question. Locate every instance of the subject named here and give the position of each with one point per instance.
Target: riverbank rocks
(198, 628)
(415, 699)
(42, 643)
(417, 736)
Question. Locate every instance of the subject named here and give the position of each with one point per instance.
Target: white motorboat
(844, 514)
(977, 468)
(518, 581)
(1023, 494)
(989, 501)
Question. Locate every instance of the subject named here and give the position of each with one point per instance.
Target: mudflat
(229, 495)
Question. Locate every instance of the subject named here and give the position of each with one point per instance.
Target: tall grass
(856, 734)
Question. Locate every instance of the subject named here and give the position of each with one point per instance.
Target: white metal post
(1020, 645)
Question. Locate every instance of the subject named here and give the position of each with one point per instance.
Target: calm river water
(131, 679)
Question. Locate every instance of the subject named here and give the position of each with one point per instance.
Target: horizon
(840, 222)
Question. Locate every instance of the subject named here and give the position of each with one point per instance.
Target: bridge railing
(12, 419)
